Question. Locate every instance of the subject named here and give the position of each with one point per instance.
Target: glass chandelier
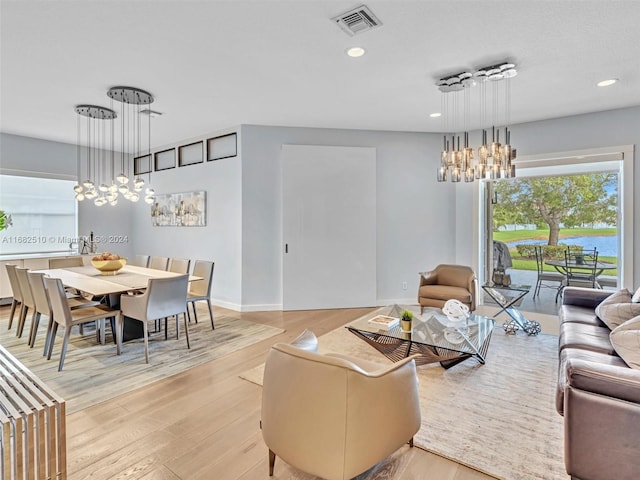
(494, 159)
(95, 148)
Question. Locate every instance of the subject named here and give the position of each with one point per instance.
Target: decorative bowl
(109, 267)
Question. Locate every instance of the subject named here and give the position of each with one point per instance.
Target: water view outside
(607, 245)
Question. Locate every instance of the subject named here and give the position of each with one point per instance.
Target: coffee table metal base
(396, 349)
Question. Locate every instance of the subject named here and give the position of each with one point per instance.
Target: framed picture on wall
(142, 165)
(165, 159)
(191, 154)
(188, 209)
(224, 146)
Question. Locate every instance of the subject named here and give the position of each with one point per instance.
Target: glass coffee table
(433, 337)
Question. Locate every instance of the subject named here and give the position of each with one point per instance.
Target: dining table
(108, 288)
(562, 266)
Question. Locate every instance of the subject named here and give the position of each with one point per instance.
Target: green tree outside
(551, 202)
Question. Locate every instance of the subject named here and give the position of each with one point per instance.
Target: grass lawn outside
(514, 235)
(522, 263)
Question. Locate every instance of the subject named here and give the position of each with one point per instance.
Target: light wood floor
(204, 423)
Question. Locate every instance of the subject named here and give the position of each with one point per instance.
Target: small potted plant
(405, 320)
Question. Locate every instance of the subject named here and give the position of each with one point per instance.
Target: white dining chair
(43, 306)
(200, 290)
(179, 265)
(63, 315)
(159, 263)
(27, 299)
(16, 300)
(163, 298)
(65, 262)
(141, 261)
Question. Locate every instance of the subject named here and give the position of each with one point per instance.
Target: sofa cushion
(625, 340)
(575, 353)
(445, 292)
(618, 313)
(587, 337)
(636, 296)
(579, 314)
(621, 296)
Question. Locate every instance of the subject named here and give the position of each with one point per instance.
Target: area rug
(498, 418)
(94, 373)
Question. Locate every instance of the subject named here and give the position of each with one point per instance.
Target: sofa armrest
(601, 421)
(584, 297)
(608, 380)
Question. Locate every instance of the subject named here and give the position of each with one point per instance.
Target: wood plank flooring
(204, 423)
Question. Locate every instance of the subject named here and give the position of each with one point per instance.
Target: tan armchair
(334, 416)
(447, 282)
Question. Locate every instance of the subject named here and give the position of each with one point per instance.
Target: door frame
(574, 160)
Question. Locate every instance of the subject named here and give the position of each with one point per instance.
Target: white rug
(497, 418)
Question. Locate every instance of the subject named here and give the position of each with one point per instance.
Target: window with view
(37, 215)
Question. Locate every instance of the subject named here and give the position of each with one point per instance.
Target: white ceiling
(216, 64)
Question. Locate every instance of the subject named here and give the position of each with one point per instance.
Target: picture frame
(191, 154)
(142, 165)
(223, 146)
(187, 209)
(165, 159)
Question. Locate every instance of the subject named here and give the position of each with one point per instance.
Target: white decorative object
(455, 310)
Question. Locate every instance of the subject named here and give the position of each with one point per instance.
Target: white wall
(420, 222)
(415, 225)
(26, 155)
(219, 241)
(580, 132)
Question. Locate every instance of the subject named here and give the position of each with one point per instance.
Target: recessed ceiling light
(435, 114)
(355, 52)
(606, 83)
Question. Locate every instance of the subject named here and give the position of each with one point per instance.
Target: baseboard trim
(396, 301)
(246, 308)
(261, 308)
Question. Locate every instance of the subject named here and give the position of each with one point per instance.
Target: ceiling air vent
(357, 21)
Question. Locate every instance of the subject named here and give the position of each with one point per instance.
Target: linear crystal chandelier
(494, 159)
(95, 148)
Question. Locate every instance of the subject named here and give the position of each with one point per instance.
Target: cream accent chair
(335, 416)
(446, 282)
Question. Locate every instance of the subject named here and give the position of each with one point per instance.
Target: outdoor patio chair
(556, 278)
(581, 267)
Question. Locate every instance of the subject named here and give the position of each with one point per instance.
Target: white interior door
(329, 227)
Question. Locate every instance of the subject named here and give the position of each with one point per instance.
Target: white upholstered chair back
(65, 262)
(179, 265)
(140, 261)
(159, 263)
